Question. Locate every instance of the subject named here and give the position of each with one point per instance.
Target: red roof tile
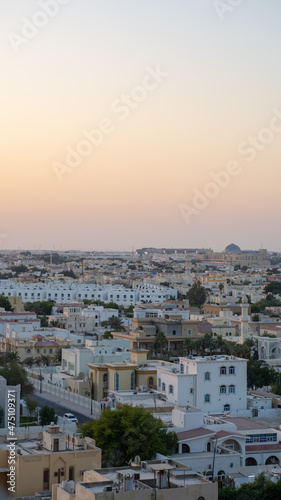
(193, 433)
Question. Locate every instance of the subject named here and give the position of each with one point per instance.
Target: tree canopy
(16, 374)
(259, 375)
(261, 488)
(42, 308)
(4, 302)
(47, 414)
(129, 431)
(274, 287)
(197, 294)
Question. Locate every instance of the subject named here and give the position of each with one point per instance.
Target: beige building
(57, 457)
(125, 376)
(34, 347)
(154, 480)
(17, 304)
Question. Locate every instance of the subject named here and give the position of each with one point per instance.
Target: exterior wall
(124, 373)
(191, 387)
(30, 469)
(69, 293)
(14, 392)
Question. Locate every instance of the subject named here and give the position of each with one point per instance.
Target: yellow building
(123, 376)
(38, 465)
(17, 304)
(34, 347)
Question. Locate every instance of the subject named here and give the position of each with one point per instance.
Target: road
(60, 409)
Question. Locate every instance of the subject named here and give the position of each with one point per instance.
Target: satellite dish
(81, 375)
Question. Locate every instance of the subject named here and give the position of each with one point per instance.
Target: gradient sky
(224, 82)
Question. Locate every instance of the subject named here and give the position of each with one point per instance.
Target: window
(207, 376)
(46, 475)
(185, 448)
(132, 380)
(226, 408)
(171, 389)
(221, 475)
(116, 381)
(71, 474)
(174, 332)
(223, 370)
(207, 398)
(50, 351)
(231, 389)
(182, 368)
(163, 387)
(223, 389)
(159, 382)
(150, 382)
(231, 370)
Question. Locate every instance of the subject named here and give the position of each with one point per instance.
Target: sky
(140, 123)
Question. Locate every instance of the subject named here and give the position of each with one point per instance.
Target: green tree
(107, 335)
(31, 405)
(42, 308)
(47, 414)
(260, 375)
(129, 431)
(221, 287)
(197, 294)
(159, 342)
(5, 303)
(30, 361)
(116, 323)
(13, 356)
(16, 374)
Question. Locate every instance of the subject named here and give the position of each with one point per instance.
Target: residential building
(215, 384)
(56, 457)
(164, 479)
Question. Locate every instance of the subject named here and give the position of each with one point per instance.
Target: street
(60, 409)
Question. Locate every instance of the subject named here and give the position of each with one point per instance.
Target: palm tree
(30, 361)
(116, 323)
(45, 360)
(13, 356)
(159, 342)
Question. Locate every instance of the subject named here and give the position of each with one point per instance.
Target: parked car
(71, 417)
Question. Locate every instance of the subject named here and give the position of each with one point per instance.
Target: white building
(215, 384)
(62, 292)
(9, 394)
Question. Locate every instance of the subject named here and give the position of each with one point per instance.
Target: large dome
(233, 248)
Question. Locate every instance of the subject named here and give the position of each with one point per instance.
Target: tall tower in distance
(244, 319)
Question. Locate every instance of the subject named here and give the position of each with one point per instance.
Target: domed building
(233, 248)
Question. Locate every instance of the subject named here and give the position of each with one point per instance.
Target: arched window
(150, 382)
(209, 446)
(221, 475)
(272, 460)
(231, 389)
(207, 398)
(250, 461)
(231, 370)
(71, 474)
(132, 380)
(226, 408)
(185, 448)
(50, 351)
(207, 376)
(223, 370)
(223, 389)
(105, 377)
